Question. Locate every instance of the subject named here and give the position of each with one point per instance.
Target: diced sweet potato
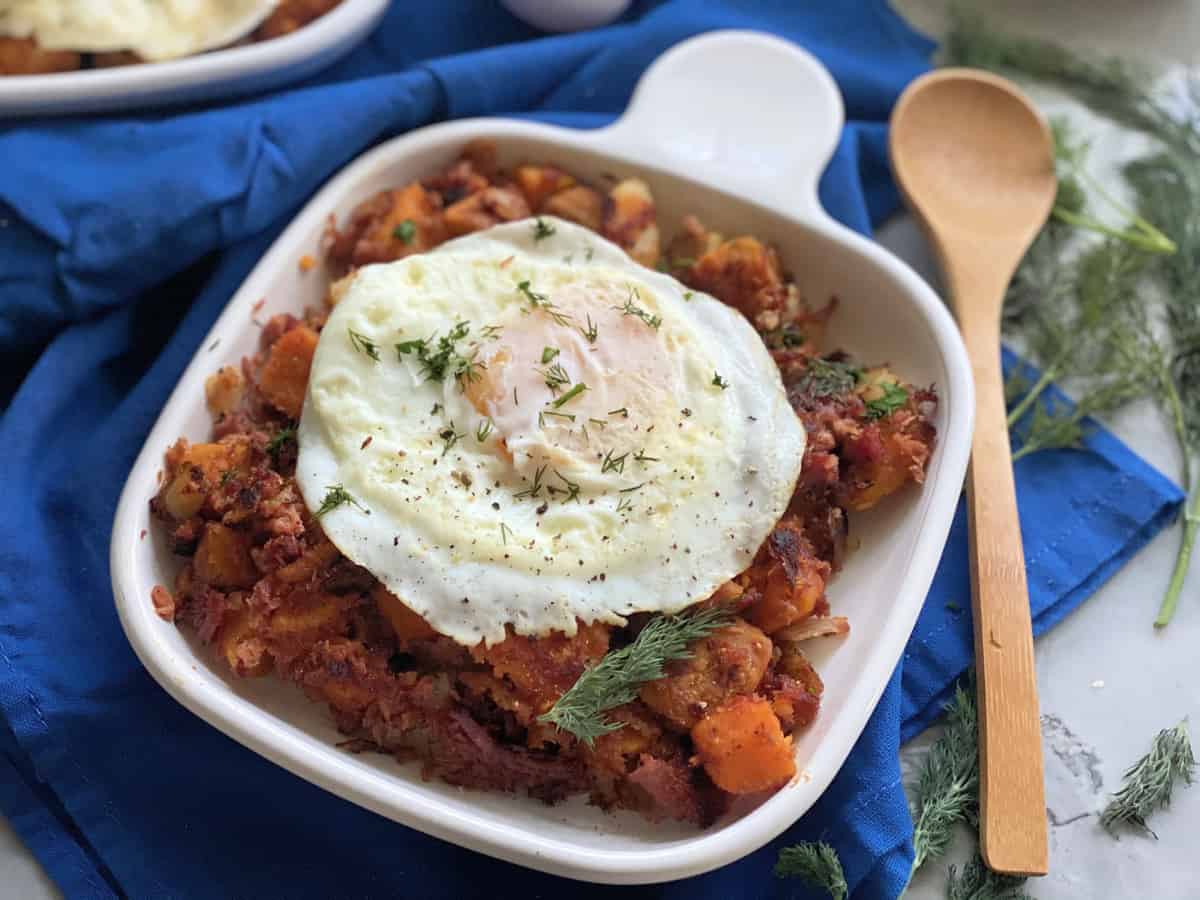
(537, 183)
(728, 662)
(412, 225)
(307, 612)
(745, 274)
(543, 668)
(223, 390)
(630, 222)
(484, 209)
(407, 624)
(284, 377)
(789, 577)
(314, 559)
(742, 747)
(581, 205)
(223, 558)
(198, 469)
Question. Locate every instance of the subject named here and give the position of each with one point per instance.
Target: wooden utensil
(975, 162)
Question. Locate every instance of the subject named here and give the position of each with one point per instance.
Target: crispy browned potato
(581, 205)
(745, 274)
(407, 624)
(223, 390)
(223, 558)
(537, 183)
(742, 747)
(488, 207)
(728, 662)
(545, 667)
(22, 56)
(630, 221)
(789, 577)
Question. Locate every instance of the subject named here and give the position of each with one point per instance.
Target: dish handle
(752, 114)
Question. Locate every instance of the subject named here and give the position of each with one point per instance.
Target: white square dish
(743, 168)
(234, 70)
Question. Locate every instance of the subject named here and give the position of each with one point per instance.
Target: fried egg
(153, 29)
(524, 429)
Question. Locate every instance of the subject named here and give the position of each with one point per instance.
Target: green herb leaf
(282, 436)
(815, 863)
(631, 309)
(548, 353)
(1150, 782)
(541, 230)
(894, 397)
(405, 231)
(720, 382)
(576, 389)
(363, 344)
(336, 495)
(618, 677)
(542, 302)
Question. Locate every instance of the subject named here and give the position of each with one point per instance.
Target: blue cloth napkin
(120, 241)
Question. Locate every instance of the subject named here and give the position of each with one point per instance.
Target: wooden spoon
(975, 162)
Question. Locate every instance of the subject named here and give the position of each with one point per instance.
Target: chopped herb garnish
(631, 309)
(541, 301)
(624, 504)
(688, 295)
(490, 332)
(827, 378)
(560, 415)
(818, 865)
(599, 423)
(893, 398)
(335, 496)
(405, 231)
(533, 489)
(588, 252)
(641, 457)
(572, 487)
(783, 337)
(483, 430)
(636, 487)
(574, 392)
(225, 476)
(556, 376)
(718, 381)
(618, 677)
(612, 463)
(591, 332)
(282, 436)
(623, 411)
(548, 353)
(505, 531)
(437, 408)
(363, 344)
(450, 437)
(541, 230)
(445, 359)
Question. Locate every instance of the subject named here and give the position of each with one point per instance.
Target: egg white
(154, 29)
(538, 532)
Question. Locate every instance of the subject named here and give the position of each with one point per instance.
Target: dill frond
(817, 864)
(977, 882)
(618, 677)
(947, 788)
(1150, 782)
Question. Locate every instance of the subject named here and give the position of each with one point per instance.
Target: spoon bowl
(975, 162)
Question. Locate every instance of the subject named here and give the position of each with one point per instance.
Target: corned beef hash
(540, 499)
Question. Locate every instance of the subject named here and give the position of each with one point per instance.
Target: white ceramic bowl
(237, 70)
(734, 127)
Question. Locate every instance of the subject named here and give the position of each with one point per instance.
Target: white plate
(237, 70)
(719, 118)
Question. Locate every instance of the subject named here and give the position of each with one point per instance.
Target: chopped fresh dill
(599, 423)
(624, 504)
(688, 295)
(641, 457)
(815, 863)
(548, 353)
(720, 382)
(541, 230)
(623, 411)
(570, 417)
(591, 332)
(450, 437)
(282, 436)
(505, 531)
(784, 337)
(618, 677)
(555, 377)
(335, 496)
(571, 486)
(828, 378)
(225, 477)
(363, 344)
(894, 397)
(439, 356)
(483, 429)
(612, 463)
(577, 389)
(977, 882)
(535, 488)
(490, 332)
(1150, 781)
(636, 487)
(542, 302)
(632, 309)
(405, 231)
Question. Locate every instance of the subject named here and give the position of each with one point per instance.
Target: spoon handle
(1012, 813)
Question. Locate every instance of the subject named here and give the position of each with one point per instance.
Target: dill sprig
(817, 864)
(541, 230)
(632, 309)
(542, 302)
(440, 356)
(1158, 284)
(618, 677)
(450, 437)
(576, 389)
(612, 463)
(947, 788)
(591, 332)
(977, 882)
(281, 437)
(363, 344)
(555, 377)
(1149, 783)
(336, 495)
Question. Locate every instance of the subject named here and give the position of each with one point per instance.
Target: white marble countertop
(1149, 680)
